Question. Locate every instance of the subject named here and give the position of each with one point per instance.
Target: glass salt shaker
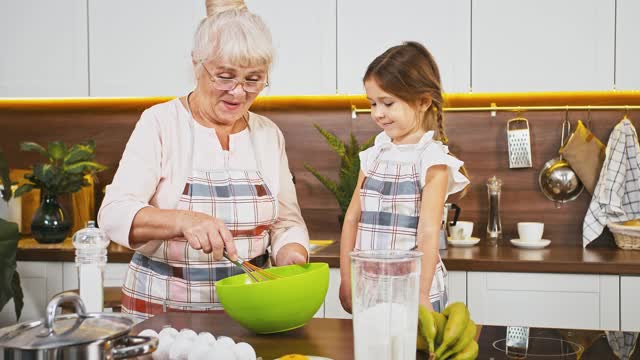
(494, 227)
(91, 257)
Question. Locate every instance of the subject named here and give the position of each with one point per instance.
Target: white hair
(233, 34)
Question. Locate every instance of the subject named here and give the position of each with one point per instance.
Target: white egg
(180, 349)
(162, 352)
(166, 339)
(203, 341)
(207, 336)
(224, 353)
(244, 351)
(148, 332)
(225, 341)
(187, 334)
(168, 331)
(199, 352)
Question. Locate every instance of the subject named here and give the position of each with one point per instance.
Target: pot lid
(66, 330)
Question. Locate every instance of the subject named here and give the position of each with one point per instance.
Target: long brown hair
(410, 73)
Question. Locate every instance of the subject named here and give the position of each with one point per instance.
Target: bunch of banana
(447, 335)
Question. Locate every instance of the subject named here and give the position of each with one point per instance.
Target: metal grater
(519, 141)
(517, 340)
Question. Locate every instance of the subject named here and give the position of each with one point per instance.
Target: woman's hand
(206, 233)
(291, 254)
(345, 295)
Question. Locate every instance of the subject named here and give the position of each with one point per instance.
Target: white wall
(142, 48)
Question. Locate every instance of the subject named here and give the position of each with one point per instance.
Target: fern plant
(349, 167)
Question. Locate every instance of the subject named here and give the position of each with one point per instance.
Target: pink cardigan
(157, 160)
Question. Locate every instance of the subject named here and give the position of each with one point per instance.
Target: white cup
(530, 231)
(462, 230)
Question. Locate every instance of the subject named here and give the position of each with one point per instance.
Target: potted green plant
(63, 173)
(349, 168)
(9, 278)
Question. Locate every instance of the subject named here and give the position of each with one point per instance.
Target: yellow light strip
(523, 109)
(595, 100)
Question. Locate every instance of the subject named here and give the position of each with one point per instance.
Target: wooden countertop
(554, 259)
(333, 338)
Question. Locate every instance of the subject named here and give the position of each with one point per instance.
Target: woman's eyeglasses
(251, 86)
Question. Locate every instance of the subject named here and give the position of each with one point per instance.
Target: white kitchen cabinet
(627, 45)
(366, 28)
(332, 307)
(114, 274)
(575, 301)
(40, 281)
(545, 45)
(457, 286)
(304, 38)
(629, 307)
(44, 48)
(142, 48)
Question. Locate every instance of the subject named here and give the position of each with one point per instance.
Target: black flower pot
(51, 223)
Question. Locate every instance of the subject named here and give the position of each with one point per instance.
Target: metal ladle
(557, 180)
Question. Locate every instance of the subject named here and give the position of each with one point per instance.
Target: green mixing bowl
(275, 305)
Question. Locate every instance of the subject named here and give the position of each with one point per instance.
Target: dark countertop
(553, 259)
(333, 338)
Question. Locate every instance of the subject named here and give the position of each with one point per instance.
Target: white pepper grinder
(91, 256)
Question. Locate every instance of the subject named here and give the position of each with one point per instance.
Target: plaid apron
(181, 278)
(390, 199)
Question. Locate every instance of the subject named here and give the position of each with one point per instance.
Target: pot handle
(137, 346)
(456, 214)
(55, 302)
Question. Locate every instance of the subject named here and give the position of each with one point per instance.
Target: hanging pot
(75, 336)
(51, 223)
(557, 180)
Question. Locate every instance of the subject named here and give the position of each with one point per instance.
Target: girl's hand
(291, 254)
(427, 305)
(345, 295)
(206, 233)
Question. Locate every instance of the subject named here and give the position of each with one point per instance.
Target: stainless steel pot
(557, 180)
(75, 336)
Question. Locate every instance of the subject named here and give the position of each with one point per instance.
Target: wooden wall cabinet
(146, 51)
(367, 28)
(627, 45)
(304, 37)
(543, 45)
(44, 48)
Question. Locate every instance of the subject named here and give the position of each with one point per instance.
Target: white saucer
(464, 242)
(539, 244)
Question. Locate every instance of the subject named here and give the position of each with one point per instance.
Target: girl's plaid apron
(390, 199)
(179, 277)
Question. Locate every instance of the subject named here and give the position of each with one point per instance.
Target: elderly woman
(202, 177)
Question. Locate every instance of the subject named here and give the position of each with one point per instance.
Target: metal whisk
(255, 273)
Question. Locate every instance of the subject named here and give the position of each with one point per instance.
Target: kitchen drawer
(40, 280)
(629, 307)
(457, 286)
(544, 300)
(332, 307)
(114, 274)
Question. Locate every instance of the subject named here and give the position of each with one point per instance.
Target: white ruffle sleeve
(435, 153)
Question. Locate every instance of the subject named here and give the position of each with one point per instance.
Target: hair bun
(217, 6)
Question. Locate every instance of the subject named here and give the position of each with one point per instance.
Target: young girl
(407, 175)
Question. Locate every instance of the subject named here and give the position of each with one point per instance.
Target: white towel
(617, 194)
